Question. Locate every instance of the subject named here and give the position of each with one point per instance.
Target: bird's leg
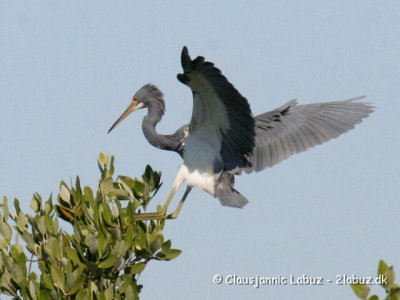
(162, 215)
(158, 215)
(171, 195)
(175, 214)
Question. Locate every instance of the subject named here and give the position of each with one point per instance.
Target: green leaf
(108, 262)
(93, 288)
(48, 206)
(32, 290)
(148, 172)
(127, 181)
(17, 273)
(361, 290)
(41, 226)
(109, 293)
(128, 236)
(107, 216)
(166, 246)
(104, 159)
(382, 267)
(65, 194)
(16, 250)
(48, 222)
(45, 279)
(78, 188)
(73, 256)
(7, 286)
(6, 211)
(52, 247)
(56, 226)
(91, 241)
(156, 242)
(389, 274)
(112, 165)
(141, 238)
(373, 297)
(129, 213)
(30, 243)
(36, 203)
(120, 194)
(172, 253)
(103, 243)
(74, 281)
(16, 205)
(127, 283)
(88, 194)
(129, 292)
(386, 272)
(115, 210)
(58, 278)
(22, 222)
(107, 186)
(139, 189)
(120, 248)
(137, 268)
(5, 230)
(395, 290)
(77, 286)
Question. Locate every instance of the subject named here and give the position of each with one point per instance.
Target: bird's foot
(155, 216)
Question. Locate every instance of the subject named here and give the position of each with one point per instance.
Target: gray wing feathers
(216, 96)
(295, 128)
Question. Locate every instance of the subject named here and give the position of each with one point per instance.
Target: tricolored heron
(223, 138)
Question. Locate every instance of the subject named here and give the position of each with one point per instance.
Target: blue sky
(69, 69)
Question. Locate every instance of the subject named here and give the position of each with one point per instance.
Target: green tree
(386, 275)
(99, 255)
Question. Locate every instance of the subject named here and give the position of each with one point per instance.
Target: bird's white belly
(197, 179)
(199, 161)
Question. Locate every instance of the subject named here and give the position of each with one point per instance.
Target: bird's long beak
(131, 108)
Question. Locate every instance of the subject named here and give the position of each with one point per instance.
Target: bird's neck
(172, 142)
(149, 124)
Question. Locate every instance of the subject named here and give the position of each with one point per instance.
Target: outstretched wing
(294, 128)
(221, 117)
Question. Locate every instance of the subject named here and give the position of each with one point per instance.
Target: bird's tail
(226, 194)
(231, 198)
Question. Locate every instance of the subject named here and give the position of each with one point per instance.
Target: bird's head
(147, 96)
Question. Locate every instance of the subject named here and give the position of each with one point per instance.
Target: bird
(223, 139)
